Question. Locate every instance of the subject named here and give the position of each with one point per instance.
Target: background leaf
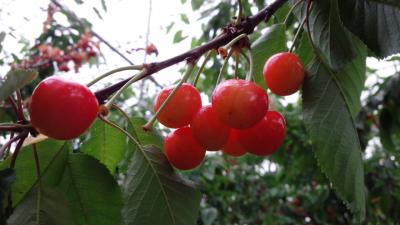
(335, 141)
(376, 23)
(7, 177)
(15, 79)
(153, 188)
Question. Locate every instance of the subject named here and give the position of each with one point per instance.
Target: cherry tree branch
(232, 31)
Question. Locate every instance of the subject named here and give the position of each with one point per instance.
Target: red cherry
(181, 108)
(182, 150)
(62, 109)
(283, 73)
(266, 136)
(208, 130)
(233, 147)
(239, 104)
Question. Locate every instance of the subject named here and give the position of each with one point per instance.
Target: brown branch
(246, 27)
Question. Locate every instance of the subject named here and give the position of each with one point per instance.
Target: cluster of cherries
(237, 121)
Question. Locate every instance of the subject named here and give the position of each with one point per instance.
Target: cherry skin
(239, 104)
(283, 73)
(208, 130)
(266, 136)
(62, 109)
(233, 146)
(181, 108)
(182, 150)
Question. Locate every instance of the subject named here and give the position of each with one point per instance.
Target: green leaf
(304, 49)
(153, 188)
(375, 22)
(184, 18)
(44, 206)
(25, 165)
(351, 78)
(145, 138)
(92, 192)
(2, 37)
(106, 144)
(196, 4)
(328, 33)
(178, 37)
(15, 79)
(334, 137)
(104, 5)
(270, 43)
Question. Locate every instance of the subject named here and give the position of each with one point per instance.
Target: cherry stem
(237, 62)
(250, 75)
(108, 122)
(133, 67)
(126, 85)
(37, 163)
(208, 56)
(222, 50)
(224, 65)
(15, 108)
(291, 11)
(297, 35)
(19, 104)
(17, 148)
(149, 124)
(239, 18)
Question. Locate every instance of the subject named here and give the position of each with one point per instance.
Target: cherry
(208, 130)
(62, 109)
(181, 108)
(239, 104)
(182, 150)
(266, 136)
(232, 146)
(283, 73)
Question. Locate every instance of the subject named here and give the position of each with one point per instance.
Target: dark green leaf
(335, 141)
(44, 206)
(328, 33)
(375, 22)
(304, 49)
(15, 79)
(153, 188)
(7, 177)
(184, 18)
(271, 42)
(106, 144)
(178, 37)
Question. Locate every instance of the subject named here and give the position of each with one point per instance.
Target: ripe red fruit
(208, 130)
(266, 136)
(232, 146)
(182, 150)
(239, 104)
(62, 109)
(181, 108)
(283, 73)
